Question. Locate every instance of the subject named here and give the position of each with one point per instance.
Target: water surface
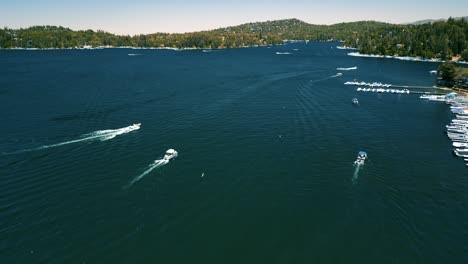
(265, 170)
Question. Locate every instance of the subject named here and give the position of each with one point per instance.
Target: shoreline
(137, 48)
(459, 91)
(403, 58)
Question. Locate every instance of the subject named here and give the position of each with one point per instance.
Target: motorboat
(355, 101)
(135, 126)
(460, 145)
(361, 158)
(170, 154)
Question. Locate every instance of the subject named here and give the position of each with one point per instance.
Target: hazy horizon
(143, 16)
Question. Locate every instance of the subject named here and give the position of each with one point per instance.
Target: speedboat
(135, 126)
(361, 158)
(355, 101)
(170, 154)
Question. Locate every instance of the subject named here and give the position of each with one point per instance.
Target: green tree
(464, 55)
(448, 72)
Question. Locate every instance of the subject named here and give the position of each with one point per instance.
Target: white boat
(359, 89)
(170, 154)
(457, 121)
(459, 154)
(461, 150)
(361, 158)
(460, 145)
(135, 126)
(355, 101)
(457, 130)
(433, 97)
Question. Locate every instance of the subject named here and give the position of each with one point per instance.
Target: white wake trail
(97, 135)
(356, 173)
(151, 167)
(347, 69)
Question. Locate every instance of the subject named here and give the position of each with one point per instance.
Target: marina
(457, 130)
(381, 90)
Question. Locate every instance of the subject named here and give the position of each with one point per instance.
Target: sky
(145, 16)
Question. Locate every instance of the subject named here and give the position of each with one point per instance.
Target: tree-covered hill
(443, 39)
(250, 34)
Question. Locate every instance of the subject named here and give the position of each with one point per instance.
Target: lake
(265, 170)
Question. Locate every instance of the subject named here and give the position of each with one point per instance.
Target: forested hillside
(443, 40)
(261, 33)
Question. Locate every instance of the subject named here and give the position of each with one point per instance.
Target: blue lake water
(265, 170)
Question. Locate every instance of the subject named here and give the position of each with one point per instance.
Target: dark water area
(265, 170)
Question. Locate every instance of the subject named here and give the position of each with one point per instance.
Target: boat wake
(151, 167)
(283, 53)
(324, 79)
(337, 75)
(347, 69)
(101, 135)
(356, 172)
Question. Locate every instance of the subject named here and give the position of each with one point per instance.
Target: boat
(460, 145)
(170, 154)
(361, 158)
(355, 101)
(135, 126)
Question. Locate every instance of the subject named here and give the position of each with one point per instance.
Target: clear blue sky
(145, 16)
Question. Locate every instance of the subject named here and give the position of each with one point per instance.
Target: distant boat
(361, 158)
(170, 154)
(355, 101)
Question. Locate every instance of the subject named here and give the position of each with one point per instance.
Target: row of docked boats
(374, 84)
(381, 90)
(450, 98)
(457, 130)
(433, 97)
